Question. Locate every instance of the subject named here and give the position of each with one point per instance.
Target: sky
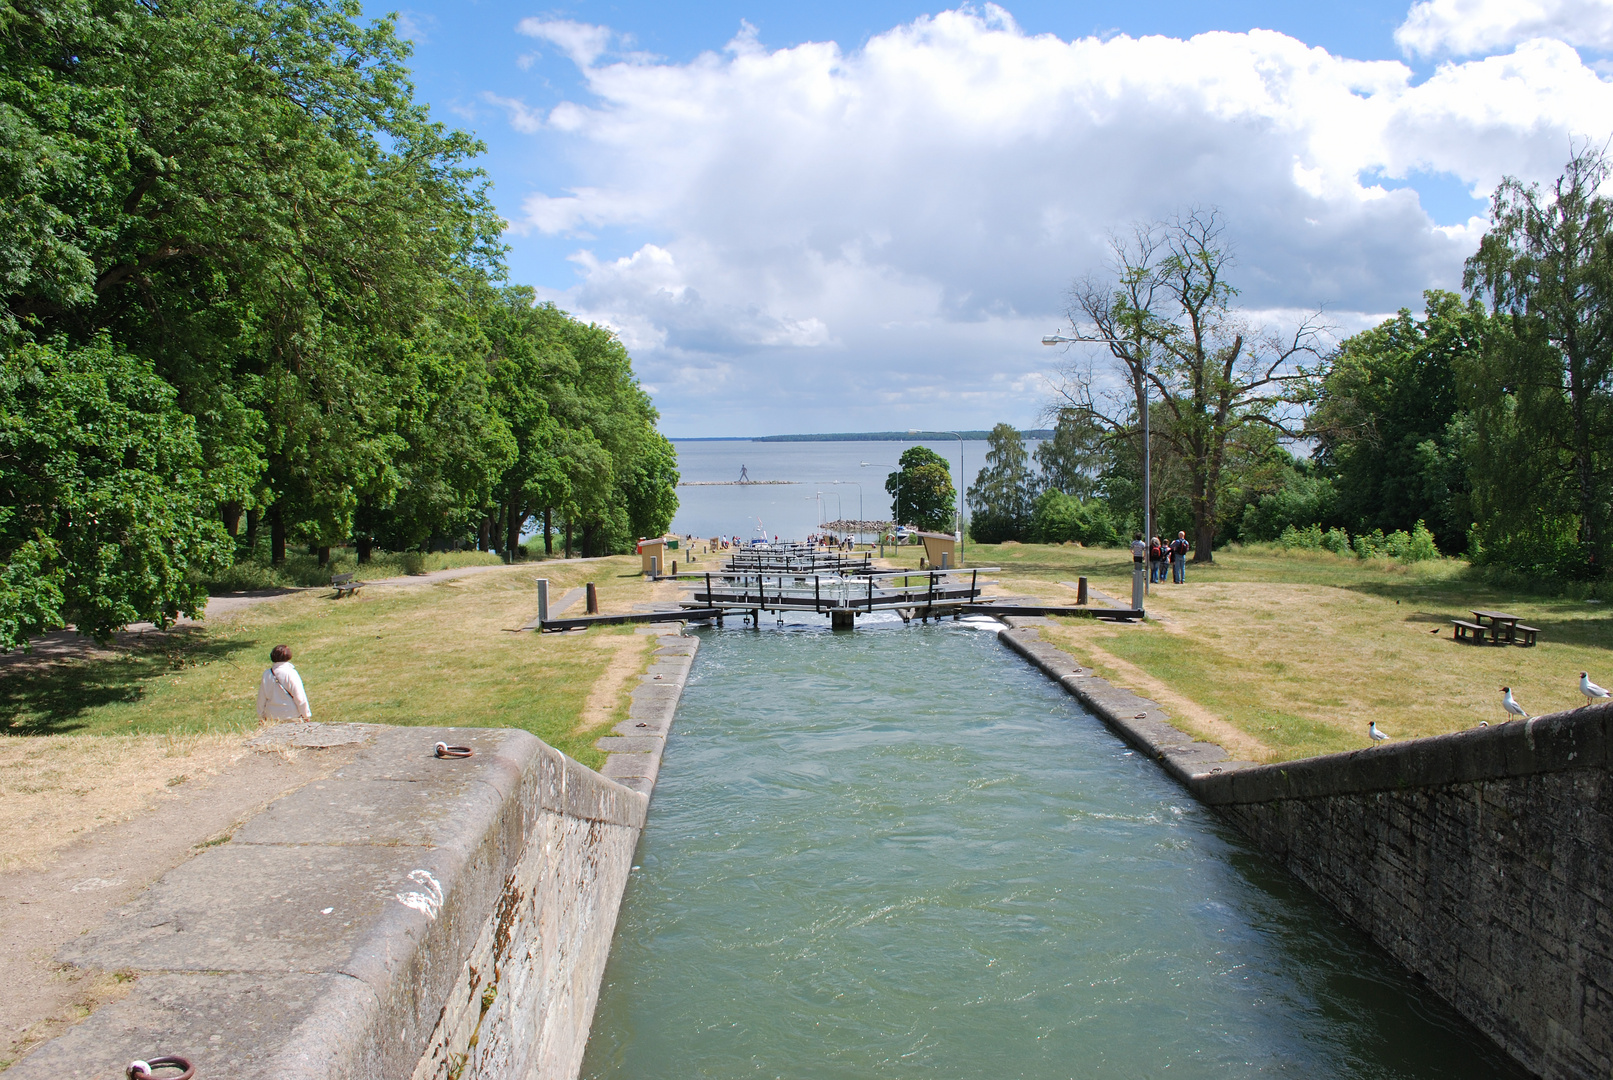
(865, 216)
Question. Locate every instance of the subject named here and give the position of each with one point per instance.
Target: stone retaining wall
(1482, 859)
(406, 916)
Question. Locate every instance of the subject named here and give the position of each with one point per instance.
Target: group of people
(843, 543)
(1162, 555)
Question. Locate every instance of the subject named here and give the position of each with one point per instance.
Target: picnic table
(1497, 624)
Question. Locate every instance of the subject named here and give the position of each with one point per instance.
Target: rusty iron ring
(446, 751)
(143, 1070)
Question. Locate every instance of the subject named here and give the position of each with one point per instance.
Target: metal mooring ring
(145, 1070)
(444, 750)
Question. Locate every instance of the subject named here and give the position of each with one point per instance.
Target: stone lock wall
(1482, 859)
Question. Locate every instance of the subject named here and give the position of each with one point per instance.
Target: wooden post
(593, 599)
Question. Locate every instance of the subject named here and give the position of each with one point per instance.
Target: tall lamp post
(1141, 389)
(957, 536)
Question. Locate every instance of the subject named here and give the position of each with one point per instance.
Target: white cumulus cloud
(1468, 27)
(901, 220)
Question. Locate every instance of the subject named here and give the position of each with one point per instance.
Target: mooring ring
(144, 1070)
(446, 751)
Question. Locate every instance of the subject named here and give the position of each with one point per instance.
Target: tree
(104, 508)
(1003, 495)
(1386, 422)
(245, 193)
(1540, 394)
(1059, 518)
(1071, 460)
(1166, 319)
(921, 490)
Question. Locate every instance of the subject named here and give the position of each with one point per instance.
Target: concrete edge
(1578, 739)
(1142, 724)
(635, 745)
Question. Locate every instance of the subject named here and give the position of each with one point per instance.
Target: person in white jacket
(280, 693)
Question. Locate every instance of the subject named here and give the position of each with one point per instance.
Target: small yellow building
(940, 550)
(657, 549)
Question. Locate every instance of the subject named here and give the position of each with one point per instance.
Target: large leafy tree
(1165, 315)
(245, 192)
(1542, 392)
(1003, 495)
(1388, 421)
(921, 490)
(1071, 460)
(103, 500)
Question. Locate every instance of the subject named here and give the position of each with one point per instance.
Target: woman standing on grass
(280, 693)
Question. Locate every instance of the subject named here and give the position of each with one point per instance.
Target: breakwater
(1481, 860)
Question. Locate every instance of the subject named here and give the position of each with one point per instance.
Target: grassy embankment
(1280, 655)
(434, 653)
(90, 741)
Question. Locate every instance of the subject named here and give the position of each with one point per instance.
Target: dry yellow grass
(1279, 655)
(55, 788)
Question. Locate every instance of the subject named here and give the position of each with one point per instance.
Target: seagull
(1590, 689)
(1377, 736)
(1510, 704)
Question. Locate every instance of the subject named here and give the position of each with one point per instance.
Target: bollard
(946, 559)
(674, 568)
(1139, 576)
(593, 599)
(1080, 590)
(655, 567)
(543, 600)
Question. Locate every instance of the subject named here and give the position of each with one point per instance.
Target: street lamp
(957, 536)
(1141, 389)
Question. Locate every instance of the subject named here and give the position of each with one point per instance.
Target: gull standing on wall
(1510, 704)
(1377, 736)
(1590, 689)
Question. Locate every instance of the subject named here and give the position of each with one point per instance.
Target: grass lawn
(1280, 655)
(438, 653)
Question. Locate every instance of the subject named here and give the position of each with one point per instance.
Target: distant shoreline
(864, 436)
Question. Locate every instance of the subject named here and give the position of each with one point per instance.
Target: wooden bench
(345, 585)
(1469, 630)
(1528, 633)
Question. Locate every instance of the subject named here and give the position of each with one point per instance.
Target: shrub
(1059, 518)
(1307, 539)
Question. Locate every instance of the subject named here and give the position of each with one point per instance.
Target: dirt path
(1192, 717)
(63, 645)
(73, 888)
(627, 659)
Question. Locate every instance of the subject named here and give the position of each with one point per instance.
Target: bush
(1306, 539)
(1303, 499)
(1059, 518)
(1415, 546)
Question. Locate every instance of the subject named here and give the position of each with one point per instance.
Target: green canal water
(904, 852)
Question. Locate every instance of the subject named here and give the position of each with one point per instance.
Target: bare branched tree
(1165, 314)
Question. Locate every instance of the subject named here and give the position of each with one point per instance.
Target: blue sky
(855, 216)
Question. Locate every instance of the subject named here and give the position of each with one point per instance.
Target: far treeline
(1482, 426)
(255, 298)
